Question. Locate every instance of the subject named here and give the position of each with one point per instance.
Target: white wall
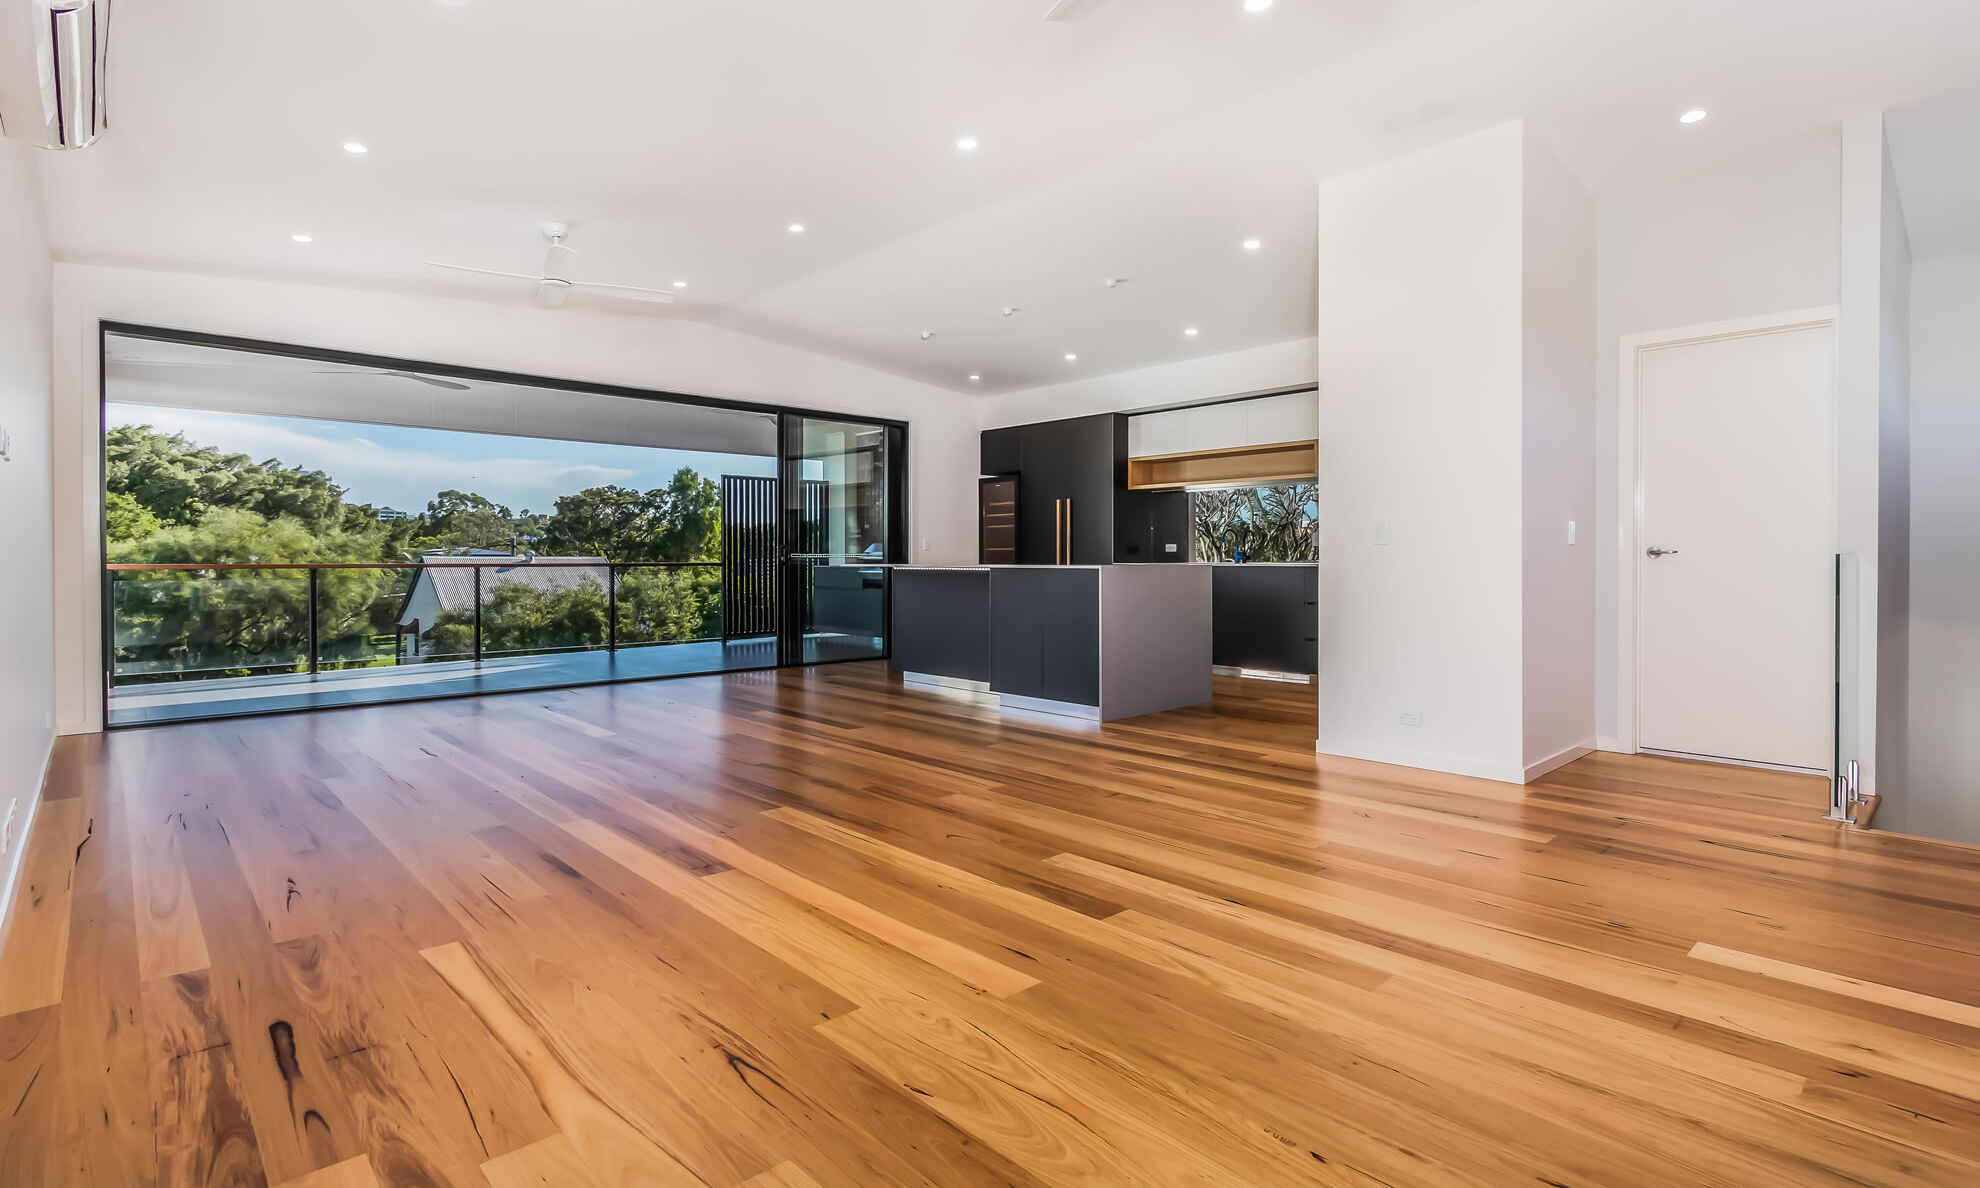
(1558, 465)
(27, 680)
(1421, 394)
(1236, 373)
(1756, 240)
(1942, 793)
(645, 351)
(1893, 687)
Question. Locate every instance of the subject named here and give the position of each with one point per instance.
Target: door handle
(1068, 560)
(1058, 530)
(1654, 551)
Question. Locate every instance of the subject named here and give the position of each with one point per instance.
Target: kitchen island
(1101, 642)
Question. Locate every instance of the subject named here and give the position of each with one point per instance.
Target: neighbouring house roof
(443, 587)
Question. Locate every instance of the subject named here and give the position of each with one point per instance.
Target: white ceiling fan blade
(428, 380)
(551, 292)
(482, 271)
(1062, 10)
(660, 296)
(415, 376)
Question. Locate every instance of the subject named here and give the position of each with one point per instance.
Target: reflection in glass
(842, 538)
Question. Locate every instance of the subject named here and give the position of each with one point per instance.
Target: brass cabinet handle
(1068, 532)
(1058, 530)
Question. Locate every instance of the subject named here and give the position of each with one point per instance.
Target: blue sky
(393, 466)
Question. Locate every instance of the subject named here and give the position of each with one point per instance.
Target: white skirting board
(10, 878)
(1502, 772)
(1560, 758)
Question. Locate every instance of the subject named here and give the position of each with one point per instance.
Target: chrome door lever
(1654, 551)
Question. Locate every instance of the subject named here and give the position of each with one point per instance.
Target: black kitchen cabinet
(942, 623)
(1265, 616)
(1069, 472)
(1002, 450)
(1046, 628)
(1151, 526)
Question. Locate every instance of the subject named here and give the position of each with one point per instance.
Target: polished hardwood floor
(800, 929)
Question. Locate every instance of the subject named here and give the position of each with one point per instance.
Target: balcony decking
(222, 697)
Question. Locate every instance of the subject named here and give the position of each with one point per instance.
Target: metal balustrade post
(477, 614)
(314, 585)
(611, 608)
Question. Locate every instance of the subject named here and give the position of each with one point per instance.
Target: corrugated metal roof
(453, 585)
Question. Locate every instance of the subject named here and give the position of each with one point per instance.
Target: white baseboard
(1560, 758)
(1613, 744)
(1504, 773)
(10, 878)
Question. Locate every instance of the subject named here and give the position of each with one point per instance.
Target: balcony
(191, 641)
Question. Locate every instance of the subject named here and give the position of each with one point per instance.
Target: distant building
(387, 515)
(440, 586)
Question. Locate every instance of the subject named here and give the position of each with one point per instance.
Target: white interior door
(1735, 574)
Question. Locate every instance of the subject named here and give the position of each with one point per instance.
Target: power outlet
(1410, 718)
(7, 827)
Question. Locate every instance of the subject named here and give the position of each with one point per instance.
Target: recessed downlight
(1189, 332)
(1071, 358)
(356, 148)
(1695, 115)
(1252, 245)
(796, 228)
(303, 237)
(966, 145)
(975, 379)
(1257, 5)
(680, 284)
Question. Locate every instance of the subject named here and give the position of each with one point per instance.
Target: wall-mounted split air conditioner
(55, 55)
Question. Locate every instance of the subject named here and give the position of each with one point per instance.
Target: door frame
(1629, 477)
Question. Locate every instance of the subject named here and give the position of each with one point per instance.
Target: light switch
(1570, 531)
(1381, 532)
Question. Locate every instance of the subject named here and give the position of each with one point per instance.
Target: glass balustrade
(193, 641)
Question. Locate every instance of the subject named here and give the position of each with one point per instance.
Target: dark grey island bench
(1092, 641)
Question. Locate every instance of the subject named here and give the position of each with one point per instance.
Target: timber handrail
(451, 563)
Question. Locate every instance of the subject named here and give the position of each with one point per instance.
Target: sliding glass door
(452, 531)
(842, 527)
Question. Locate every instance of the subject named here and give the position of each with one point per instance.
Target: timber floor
(810, 929)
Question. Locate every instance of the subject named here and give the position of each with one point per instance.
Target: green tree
(463, 519)
(124, 518)
(679, 522)
(236, 620)
(179, 482)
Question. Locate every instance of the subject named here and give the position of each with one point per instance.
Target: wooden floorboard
(813, 929)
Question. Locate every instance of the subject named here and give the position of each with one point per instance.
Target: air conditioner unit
(57, 98)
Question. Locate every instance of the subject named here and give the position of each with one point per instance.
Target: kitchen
(1124, 559)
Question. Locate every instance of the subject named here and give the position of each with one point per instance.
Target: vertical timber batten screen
(749, 556)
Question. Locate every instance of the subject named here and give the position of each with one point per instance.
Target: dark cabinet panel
(1071, 661)
(1045, 634)
(941, 622)
(1002, 450)
(1265, 616)
(1050, 457)
(1151, 526)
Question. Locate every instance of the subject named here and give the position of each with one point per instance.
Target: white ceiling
(1145, 139)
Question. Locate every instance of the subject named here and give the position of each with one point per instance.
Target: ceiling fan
(254, 363)
(555, 284)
